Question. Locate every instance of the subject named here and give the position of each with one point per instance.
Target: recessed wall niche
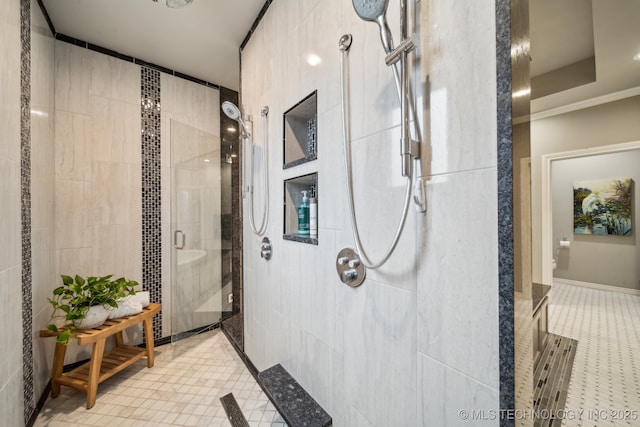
(293, 189)
(300, 132)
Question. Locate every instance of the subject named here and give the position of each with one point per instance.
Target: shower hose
(265, 181)
(364, 258)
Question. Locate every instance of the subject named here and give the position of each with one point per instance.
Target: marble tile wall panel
(458, 266)
(11, 314)
(383, 328)
(73, 78)
(458, 400)
(98, 206)
(43, 224)
(10, 212)
(10, 80)
(456, 284)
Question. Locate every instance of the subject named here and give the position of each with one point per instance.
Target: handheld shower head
(233, 112)
(376, 11)
(370, 10)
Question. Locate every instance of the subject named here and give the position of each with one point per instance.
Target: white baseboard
(598, 286)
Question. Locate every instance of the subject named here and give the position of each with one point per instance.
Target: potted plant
(78, 300)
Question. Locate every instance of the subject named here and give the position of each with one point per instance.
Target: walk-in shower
(234, 113)
(350, 264)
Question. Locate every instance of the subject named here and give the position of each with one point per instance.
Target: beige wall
(605, 260)
(598, 126)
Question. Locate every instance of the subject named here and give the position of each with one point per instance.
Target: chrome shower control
(350, 269)
(349, 276)
(265, 249)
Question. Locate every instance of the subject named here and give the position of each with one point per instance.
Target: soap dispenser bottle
(303, 215)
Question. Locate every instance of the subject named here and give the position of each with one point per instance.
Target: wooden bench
(102, 366)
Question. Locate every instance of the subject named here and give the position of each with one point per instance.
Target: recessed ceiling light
(636, 57)
(207, 160)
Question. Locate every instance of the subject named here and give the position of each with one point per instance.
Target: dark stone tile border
(505, 209)
(231, 145)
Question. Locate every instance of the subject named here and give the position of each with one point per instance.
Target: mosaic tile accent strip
(151, 192)
(25, 206)
(505, 209)
(551, 379)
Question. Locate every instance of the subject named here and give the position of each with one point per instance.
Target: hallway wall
(394, 351)
(597, 126)
(605, 260)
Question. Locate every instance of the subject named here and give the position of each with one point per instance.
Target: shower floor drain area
(234, 413)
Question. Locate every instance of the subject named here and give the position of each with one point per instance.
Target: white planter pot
(130, 305)
(96, 316)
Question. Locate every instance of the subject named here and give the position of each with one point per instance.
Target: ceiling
(565, 32)
(201, 40)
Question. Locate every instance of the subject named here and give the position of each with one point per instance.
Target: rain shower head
(233, 112)
(376, 11)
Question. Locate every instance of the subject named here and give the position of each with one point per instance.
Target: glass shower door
(197, 300)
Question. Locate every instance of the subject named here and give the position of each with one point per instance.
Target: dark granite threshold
(295, 405)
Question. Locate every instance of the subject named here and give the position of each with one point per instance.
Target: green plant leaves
(73, 298)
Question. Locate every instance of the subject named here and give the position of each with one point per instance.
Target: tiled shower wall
(396, 350)
(98, 166)
(70, 193)
(11, 370)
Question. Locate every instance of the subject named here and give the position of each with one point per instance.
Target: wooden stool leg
(148, 339)
(119, 339)
(56, 371)
(94, 372)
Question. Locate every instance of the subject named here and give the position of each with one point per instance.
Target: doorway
(200, 256)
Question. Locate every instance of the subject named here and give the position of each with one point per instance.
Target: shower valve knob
(354, 263)
(344, 261)
(349, 275)
(266, 249)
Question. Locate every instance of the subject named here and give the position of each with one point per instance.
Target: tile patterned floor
(182, 389)
(606, 373)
